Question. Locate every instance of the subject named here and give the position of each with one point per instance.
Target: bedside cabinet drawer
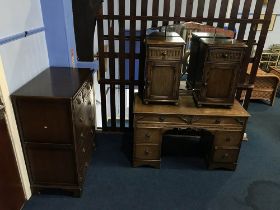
(147, 152)
(222, 55)
(165, 53)
(147, 135)
(45, 121)
(228, 138)
(225, 155)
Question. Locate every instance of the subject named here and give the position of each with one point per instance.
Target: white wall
(22, 59)
(273, 36)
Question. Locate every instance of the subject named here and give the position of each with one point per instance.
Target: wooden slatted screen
(125, 36)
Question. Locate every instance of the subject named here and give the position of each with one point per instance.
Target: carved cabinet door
(219, 82)
(162, 80)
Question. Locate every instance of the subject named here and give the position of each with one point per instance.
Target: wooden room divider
(114, 16)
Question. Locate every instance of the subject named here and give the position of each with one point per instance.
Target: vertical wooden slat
(166, 8)
(144, 5)
(100, 33)
(200, 9)
(112, 62)
(122, 60)
(223, 12)
(250, 42)
(260, 46)
(154, 10)
(245, 15)
(233, 14)
(211, 11)
(132, 59)
(189, 8)
(177, 11)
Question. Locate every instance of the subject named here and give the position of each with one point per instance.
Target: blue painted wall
(55, 29)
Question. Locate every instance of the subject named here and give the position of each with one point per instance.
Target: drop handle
(228, 139)
(217, 121)
(161, 119)
(225, 156)
(205, 83)
(84, 150)
(164, 53)
(147, 152)
(147, 135)
(225, 55)
(81, 119)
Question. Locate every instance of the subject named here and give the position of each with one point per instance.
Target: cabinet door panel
(163, 80)
(219, 81)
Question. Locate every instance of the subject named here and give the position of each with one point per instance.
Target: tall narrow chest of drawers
(163, 67)
(56, 121)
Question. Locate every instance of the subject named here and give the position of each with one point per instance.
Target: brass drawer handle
(205, 84)
(164, 53)
(161, 118)
(84, 150)
(82, 135)
(186, 120)
(147, 135)
(225, 156)
(225, 55)
(217, 121)
(147, 152)
(81, 119)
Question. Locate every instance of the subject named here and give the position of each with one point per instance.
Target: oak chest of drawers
(226, 127)
(163, 68)
(55, 114)
(218, 71)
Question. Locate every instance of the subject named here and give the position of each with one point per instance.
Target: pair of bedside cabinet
(55, 114)
(213, 70)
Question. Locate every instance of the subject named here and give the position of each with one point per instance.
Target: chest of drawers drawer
(191, 120)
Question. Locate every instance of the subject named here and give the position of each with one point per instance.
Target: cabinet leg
(77, 193)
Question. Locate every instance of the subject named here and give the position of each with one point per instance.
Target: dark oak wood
(154, 12)
(233, 14)
(163, 63)
(111, 27)
(227, 127)
(100, 32)
(194, 72)
(177, 11)
(55, 114)
(223, 12)
(84, 17)
(211, 11)
(189, 8)
(219, 65)
(11, 191)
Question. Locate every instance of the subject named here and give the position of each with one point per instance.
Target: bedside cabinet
(163, 67)
(194, 74)
(55, 115)
(219, 68)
